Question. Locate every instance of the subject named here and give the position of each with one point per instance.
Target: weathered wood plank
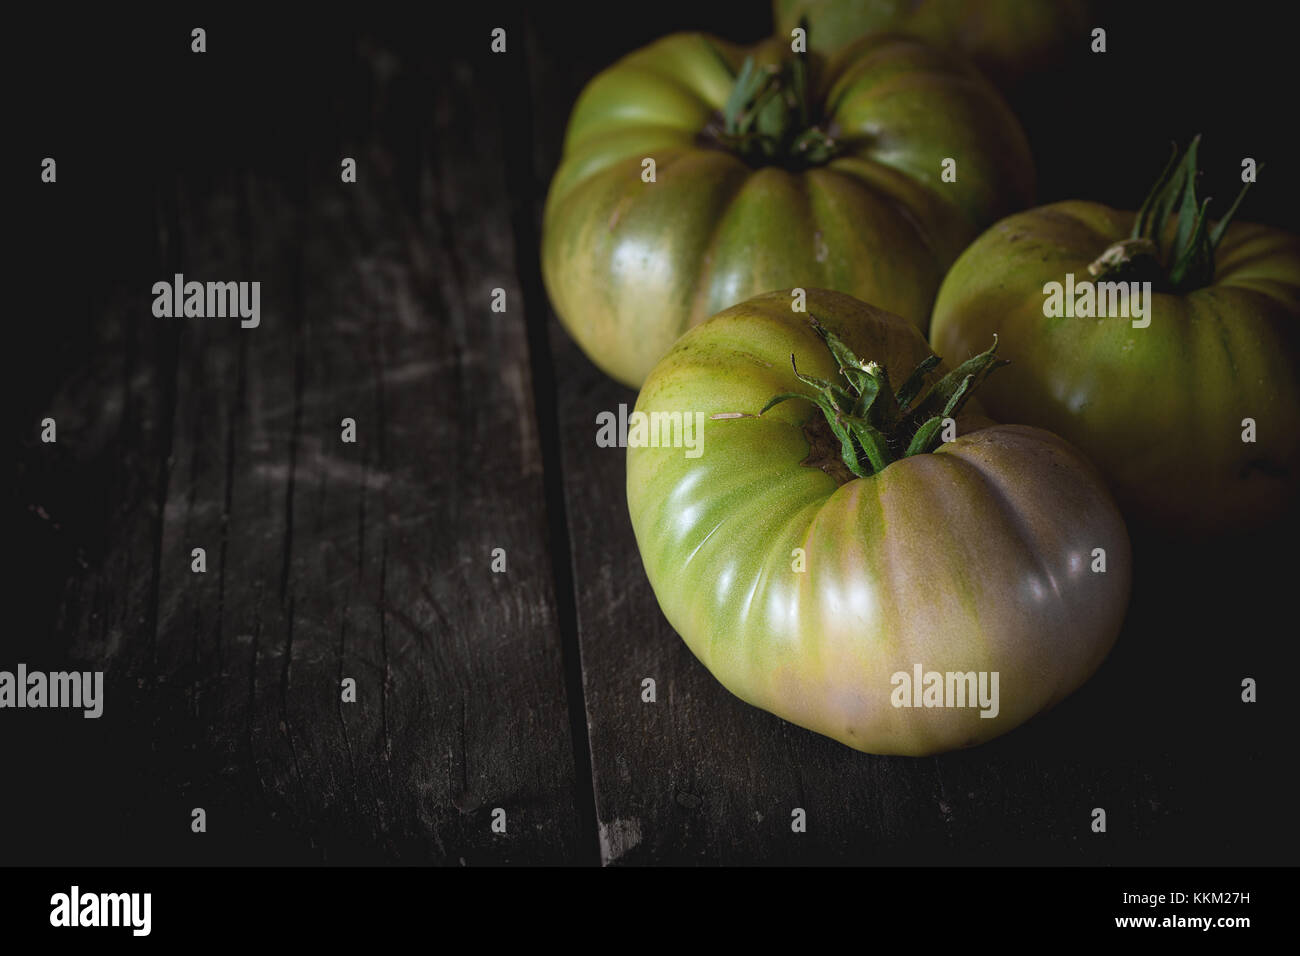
(325, 559)
(86, 536)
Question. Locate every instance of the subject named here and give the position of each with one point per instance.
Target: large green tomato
(808, 584)
(1194, 417)
(691, 181)
(1007, 39)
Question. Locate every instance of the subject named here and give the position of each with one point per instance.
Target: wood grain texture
(325, 559)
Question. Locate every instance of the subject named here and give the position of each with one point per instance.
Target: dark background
(521, 690)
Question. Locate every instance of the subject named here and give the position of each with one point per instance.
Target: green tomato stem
(1189, 262)
(768, 118)
(876, 426)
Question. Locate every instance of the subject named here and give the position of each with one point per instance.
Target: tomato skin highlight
(1158, 409)
(977, 557)
(629, 264)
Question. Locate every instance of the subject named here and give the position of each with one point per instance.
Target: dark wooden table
(327, 560)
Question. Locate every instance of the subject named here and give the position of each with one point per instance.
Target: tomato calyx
(874, 425)
(1189, 262)
(768, 118)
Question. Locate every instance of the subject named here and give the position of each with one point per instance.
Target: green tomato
(807, 590)
(697, 173)
(1007, 39)
(1194, 417)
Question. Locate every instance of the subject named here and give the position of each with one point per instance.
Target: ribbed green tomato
(806, 590)
(756, 187)
(1007, 39)
(1162, 409)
